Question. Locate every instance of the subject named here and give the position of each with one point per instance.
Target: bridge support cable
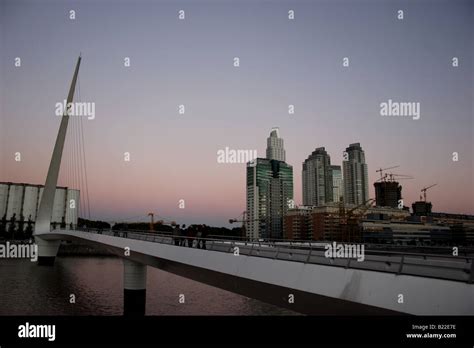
(74, 171)
(87, 207)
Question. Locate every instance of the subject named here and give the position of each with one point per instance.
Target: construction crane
(152, 223)
(351, 220)
(380, 170)
(382, 178)
(366, 205)
(161, 222)
(424, 189)
(394, 176)
(243, 221)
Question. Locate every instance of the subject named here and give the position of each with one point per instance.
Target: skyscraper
(275, 146)
(269, 191)
(269, 196)
(337, 183)
(317, 178)
(356, 178)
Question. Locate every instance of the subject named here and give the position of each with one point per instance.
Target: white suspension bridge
(290, 275)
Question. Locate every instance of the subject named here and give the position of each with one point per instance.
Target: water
(96, 282)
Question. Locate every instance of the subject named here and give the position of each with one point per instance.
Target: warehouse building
(20, 202)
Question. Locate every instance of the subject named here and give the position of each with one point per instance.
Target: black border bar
(242, 330)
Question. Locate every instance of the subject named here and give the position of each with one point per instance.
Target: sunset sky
(282, 62)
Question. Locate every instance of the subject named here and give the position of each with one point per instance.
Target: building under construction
(421, 208)
(388, 194)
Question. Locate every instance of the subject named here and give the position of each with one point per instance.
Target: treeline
(235, 232)
(21, 229)
(81, 223)
(141, 226)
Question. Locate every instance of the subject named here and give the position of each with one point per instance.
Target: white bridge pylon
(47, 249)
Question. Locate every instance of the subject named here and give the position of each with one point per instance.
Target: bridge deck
(270, 272)
(457, 268)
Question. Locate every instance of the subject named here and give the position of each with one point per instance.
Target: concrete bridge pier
(134, 288)
(47, 251)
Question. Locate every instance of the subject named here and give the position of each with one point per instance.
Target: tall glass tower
(269, 196)
(275, 146)
(356, 178)
(317, 178)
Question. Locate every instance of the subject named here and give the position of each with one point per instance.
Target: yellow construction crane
(243, 221)
(351, 219)
(152, 223)
(380, 170)
(162, 222)
(396, 177)
(424, 189)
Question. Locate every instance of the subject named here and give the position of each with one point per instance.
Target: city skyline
(332, 167)
(174, 156)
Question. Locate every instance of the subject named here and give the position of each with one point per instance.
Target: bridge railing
(458, 268)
